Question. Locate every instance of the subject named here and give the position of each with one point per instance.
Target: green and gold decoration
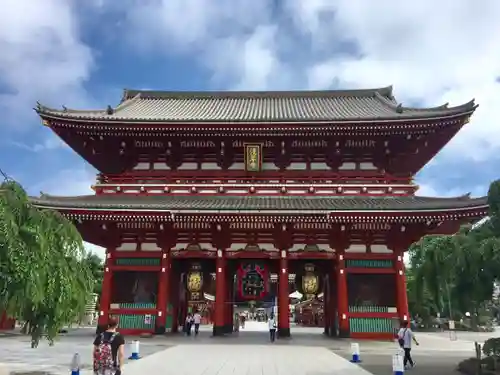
(194, 282)
(253, 157)
(310, 281)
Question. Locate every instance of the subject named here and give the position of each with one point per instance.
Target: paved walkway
(307, 352)
(244, 360)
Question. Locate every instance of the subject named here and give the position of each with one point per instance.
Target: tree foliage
(44, 280)
(454, 274)
(96, 267)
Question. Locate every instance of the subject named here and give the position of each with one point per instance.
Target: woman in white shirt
(271, 322)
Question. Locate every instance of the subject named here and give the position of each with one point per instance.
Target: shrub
(491, 347)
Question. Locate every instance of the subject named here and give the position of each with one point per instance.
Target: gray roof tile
(259, 203)
(270, 106)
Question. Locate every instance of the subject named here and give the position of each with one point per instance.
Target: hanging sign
(147, 319)
(253, 157)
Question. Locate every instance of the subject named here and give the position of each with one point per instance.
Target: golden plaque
(253, 157)
(310, 282)
(194, 282)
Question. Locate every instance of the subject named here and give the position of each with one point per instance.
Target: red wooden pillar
(342, 297)
(105, 298)
(229, 306)
(163, 293)
(283, 299)
(333, 306)
(174, 297)
(220, 294)
(326, 305)
(401, 294)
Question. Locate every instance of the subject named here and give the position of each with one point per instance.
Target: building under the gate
(232, 193)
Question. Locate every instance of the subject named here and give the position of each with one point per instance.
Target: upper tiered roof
(258, 106)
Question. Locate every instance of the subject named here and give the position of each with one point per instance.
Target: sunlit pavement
(437, 354)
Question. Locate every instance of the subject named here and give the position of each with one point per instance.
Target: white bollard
(134, 348)
(398, 367)
(356, 358)
(4, 370)
(75, 364)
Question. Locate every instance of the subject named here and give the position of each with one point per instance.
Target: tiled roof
(270, 106)
(258, 203)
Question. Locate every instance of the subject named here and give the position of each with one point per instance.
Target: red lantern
(253, 280)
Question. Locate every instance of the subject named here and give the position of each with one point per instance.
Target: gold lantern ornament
(310, 282)
(194, 282)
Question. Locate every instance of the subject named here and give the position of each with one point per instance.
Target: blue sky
(82, 54)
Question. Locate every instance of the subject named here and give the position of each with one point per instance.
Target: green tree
(43, 279)
(454, 274)
(96, 267)
(494, 203)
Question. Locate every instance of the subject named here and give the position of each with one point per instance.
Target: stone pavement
(437, 354)
(17, 355)
(244, 360)
(307, 352)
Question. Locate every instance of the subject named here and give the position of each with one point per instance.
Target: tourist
(109, 351)
(197, 322)
(272, 327)
(405, 337)
(188, 324)
(236, 322)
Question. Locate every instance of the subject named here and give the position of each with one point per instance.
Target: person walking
(405, 338)
(197, 322)
(188, 324)
(271, 323)
(109, 351)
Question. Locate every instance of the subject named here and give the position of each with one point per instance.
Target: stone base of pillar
(283, 332)
(343, 333)
(160, 330)
(219, 330)
(326, 331)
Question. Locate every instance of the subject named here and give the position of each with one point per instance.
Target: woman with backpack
(109, 351)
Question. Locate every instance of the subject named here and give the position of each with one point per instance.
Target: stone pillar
(105, 299)
(283, 299)
(163, 298)
(220, 294)
(401, 294)
(342, 297)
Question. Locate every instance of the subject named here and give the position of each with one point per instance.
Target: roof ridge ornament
(109, 110)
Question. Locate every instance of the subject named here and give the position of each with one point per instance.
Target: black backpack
(401, 340)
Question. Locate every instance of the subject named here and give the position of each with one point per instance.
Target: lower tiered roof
(261, 204)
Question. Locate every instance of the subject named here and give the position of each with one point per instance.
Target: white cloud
(68, 182)
(98, 250)
(429, 190)
(431, 52)
(42, 56)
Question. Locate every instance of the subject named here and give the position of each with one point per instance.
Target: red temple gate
(208, 185)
